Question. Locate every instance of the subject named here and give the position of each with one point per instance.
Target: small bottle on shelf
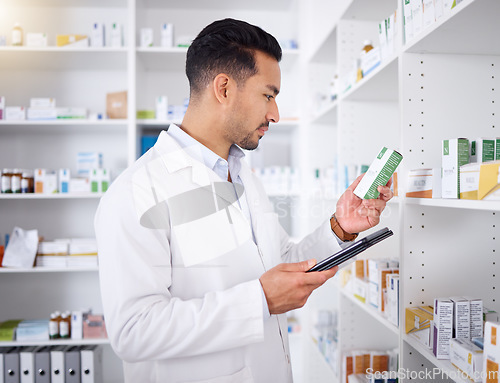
(54, 325)
(6, 180)
(17, 35)
(15, 181)
(27, 182)
(65, 325)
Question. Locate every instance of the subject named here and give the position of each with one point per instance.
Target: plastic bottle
(15, 181)
(27, 182)
(54, 325)
(17, 35)
(367, 47)
(6, 181)
(65, 325)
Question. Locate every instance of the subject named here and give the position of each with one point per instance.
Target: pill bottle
(367, 47)
(27, 182)
(54, 325)
(17, 35)
(15, 181)
(65, 325)
(6, 180)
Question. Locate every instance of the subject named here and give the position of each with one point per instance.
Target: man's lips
(263, 129)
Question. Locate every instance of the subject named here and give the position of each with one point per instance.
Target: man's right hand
(288, 286)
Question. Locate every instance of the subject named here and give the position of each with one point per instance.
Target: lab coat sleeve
(144, 321)
(320, 244)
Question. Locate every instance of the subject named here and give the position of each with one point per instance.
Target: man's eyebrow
(273, 89)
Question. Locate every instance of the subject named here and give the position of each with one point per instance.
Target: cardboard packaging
(407, 20)
(392, 309)
(418, 16)
(15, 113)
(424, 183)
(455, 153)
(79, 185)
(64, 177)
(99, 180)
(39, 180)
(476, 317)
(443, 328)
(2, 107)
(146, 37)
(42, 102)
(98, 35)
(497, 148)
(467, 357)
(374, 292)
(461, 318)
(489, 315)
(429, 14)
(491, 353)
(116, 105)
(162, 108)
(418, 323)
(489, 181)
(86, 161)
(167, 35)
(378, 174)
(116, 35)
(36, 39)
(469, 181)
(370, 61)
(72, 41)
(71, 113)
(482, 150)
(35, 114)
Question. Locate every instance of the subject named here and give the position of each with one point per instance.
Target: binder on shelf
(11, 366)
(91, 364)
(72, 365)
(57, 364)
(27, 364)
(42, 364)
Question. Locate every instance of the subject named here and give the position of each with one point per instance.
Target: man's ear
(222, 85)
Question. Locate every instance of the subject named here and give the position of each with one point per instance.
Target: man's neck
(202, 130)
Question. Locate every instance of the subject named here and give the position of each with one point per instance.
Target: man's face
(255, 105)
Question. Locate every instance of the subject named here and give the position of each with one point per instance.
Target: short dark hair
(227, 46)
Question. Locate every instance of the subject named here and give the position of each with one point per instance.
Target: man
(196, 271)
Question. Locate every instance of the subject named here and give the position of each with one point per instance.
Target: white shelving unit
(442, 84)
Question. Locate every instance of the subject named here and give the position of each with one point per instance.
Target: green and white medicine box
(482, 150)
(378, 174)
(455, 153)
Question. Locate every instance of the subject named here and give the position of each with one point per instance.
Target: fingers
(385, 192)
(299, 266)
(356, 182)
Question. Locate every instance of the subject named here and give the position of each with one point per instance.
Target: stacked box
(461, 318)
(455, 154)
(443, 328)
(491, 353)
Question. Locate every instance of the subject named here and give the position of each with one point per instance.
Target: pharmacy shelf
(65, 122)
(63, 58)
(200, 5)
(471, 28)
(369, 10)
(327, 114)
(66, 3)
(174, 59)
(379, 85)
(455, 203)
(442, 364)
(371, 311)
(320, 362)
(7, 270)
(31, 196)
(57, 342)
(156, 123)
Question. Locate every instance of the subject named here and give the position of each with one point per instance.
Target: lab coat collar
(175, 158)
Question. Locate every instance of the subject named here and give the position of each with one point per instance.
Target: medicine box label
(443, 327)
(455, 154)
(378, 174)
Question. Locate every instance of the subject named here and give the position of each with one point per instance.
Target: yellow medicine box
(72, 40)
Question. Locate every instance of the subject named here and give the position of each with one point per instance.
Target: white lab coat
(179, 317)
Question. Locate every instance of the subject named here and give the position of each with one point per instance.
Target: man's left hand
(355, 215)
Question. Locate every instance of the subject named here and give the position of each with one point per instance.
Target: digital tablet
(352, 250)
